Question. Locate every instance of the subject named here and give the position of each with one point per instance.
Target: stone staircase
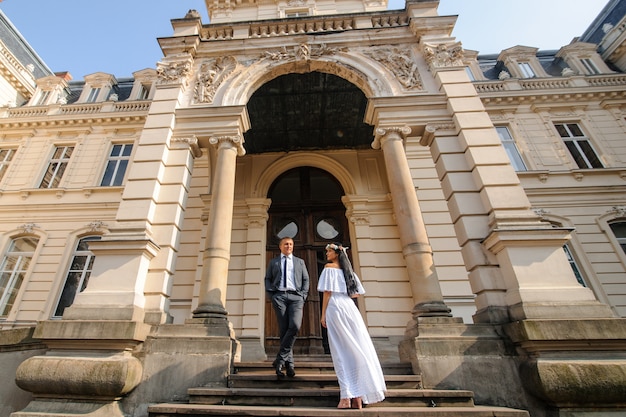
(255, 390)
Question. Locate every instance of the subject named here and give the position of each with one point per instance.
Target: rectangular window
(56, 167)
(526, 70)
(578, 145)
(13, 270)
(296, 13)
(590, 67)
(470, 74)
(144, 92)
(511, 148)
(43, 97)
(93, 95)
(6, 155)
(117, 164)
(78, 275)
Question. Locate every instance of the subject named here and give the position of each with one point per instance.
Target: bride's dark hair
(346, 267)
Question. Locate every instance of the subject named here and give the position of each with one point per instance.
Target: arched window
(619, 230)
(13, 270)
(78, 275)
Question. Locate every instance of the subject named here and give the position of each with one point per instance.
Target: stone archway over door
(306, 205)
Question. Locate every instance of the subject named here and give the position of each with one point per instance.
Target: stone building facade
(482, 197)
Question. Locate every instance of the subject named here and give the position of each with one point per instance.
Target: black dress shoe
(291, 371)
(279, 370)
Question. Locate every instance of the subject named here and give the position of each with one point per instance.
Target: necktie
(284, 272)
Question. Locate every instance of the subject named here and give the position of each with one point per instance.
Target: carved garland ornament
(212, 75)
(400, 64)
(302, 52)
(444, 55)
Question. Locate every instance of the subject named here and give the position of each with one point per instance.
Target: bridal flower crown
(336, 247)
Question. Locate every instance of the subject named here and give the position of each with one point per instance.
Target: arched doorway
(306, 206)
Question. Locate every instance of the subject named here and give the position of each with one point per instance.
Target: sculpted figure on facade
(400, 63)
(212, 74)
(444, 54)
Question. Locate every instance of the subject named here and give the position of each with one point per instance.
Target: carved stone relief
(444, 55)
(212, 74)
(400, 63)
(301, 52)
(174, 70)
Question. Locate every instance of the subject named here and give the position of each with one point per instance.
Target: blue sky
(119, 36)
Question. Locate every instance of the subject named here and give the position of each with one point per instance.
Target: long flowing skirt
(354, 357)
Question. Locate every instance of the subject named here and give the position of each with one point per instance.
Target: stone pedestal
(552, 368)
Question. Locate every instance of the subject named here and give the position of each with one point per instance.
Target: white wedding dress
(354, 357)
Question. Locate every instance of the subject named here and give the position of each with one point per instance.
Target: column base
(210, 311)
(431, 309)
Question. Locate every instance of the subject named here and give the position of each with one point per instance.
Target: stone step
(317, 366)
(203, 410)
(325, 397)
(303, 379)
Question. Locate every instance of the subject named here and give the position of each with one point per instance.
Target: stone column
(415, 246)
(217, 252)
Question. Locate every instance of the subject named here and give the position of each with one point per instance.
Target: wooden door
(306, 206)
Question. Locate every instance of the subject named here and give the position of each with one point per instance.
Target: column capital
(175, 69)
(235, 141)
(430, 131)
(392, 132)
(191, 141)
(443, 55)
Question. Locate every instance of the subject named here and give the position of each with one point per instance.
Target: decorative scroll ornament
(302, 52)
(400, 64)
(192, 142)
(444, 55)
(212, 75)
(618, 211)
(233, 140)
(174, 69)
(28, 227)
(383, 133)
(96, 226)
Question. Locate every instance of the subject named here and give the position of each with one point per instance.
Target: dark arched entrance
(306, 206)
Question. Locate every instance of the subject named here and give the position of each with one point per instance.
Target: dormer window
(51, 89)
(98, 87)
(522, 62)
(583, 59)
(143, 84)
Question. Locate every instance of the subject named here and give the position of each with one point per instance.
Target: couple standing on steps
(356, 364)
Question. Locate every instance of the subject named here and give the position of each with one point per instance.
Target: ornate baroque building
(483, 198)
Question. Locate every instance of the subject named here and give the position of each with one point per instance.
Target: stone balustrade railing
(302, 25)
(555, 83)
(76, 109)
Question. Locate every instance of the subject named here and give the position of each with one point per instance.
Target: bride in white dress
(356, 364)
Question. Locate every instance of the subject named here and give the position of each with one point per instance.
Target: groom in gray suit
(287, 284)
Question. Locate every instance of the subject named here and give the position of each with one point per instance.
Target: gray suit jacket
(300, 275)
